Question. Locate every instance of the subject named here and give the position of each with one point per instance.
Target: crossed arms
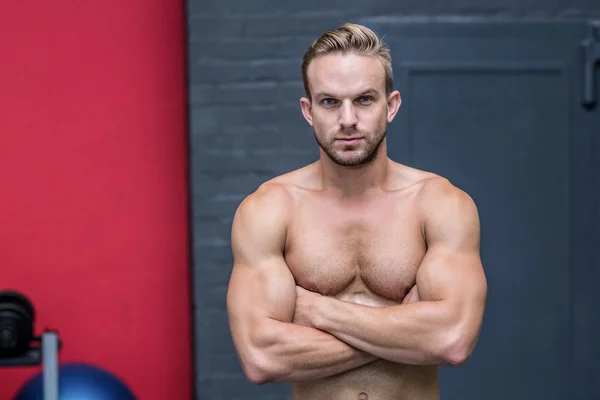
(285, 333)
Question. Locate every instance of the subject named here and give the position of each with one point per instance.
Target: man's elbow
(457, 356)
(259, 368)
(257, 375)
(457, 348)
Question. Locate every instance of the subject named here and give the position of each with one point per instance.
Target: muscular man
(354, 277)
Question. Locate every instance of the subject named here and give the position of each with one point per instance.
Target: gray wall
(246, 127)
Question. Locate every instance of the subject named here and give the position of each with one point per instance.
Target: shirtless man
(354, 277)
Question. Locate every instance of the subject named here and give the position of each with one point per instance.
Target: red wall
(93, 205)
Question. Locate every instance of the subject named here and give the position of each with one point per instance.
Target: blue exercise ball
(79, 381)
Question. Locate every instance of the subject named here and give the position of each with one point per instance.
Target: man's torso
(365, 251)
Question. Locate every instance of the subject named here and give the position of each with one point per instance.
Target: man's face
(349, 111)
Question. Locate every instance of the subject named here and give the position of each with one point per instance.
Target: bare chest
(368, 254)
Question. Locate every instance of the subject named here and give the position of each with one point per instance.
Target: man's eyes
(361, 100)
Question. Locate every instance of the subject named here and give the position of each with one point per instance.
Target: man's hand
(306, 307)
(412, 296)
(307, 304)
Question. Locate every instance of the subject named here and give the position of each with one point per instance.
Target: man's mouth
(349, 141)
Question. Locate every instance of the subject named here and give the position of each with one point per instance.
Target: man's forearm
(299, 353)
(417, 333)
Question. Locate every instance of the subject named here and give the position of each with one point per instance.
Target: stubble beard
(367, 155)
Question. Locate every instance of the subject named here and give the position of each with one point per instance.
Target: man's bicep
(451, 269)
(265, 289)
(449, 275)
(261, 284)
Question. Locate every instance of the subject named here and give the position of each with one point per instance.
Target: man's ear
(306, 106)
(393, 105)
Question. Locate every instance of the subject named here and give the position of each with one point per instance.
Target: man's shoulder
(438, 188)
(408, 177)
(271, 196)
(440, 199)
(281, 187)
(275, 195)
(428, 185)
(263, 213)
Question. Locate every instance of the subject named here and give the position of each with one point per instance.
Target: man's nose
(348, 117)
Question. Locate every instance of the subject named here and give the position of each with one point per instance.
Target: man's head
(348, 80)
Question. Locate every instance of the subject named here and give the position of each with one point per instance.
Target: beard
(352, 158)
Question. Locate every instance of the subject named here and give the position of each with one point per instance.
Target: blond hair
(351, 38)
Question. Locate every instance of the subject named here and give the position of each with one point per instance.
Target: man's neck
(354, 181)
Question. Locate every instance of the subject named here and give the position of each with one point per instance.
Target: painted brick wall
(246, 127)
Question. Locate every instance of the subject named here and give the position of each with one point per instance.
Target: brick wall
(246, 127)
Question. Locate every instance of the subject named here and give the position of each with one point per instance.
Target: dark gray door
(496, 107)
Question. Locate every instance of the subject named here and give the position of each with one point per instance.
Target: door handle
(591, 57)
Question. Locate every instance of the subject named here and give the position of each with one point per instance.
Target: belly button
(363, 396)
